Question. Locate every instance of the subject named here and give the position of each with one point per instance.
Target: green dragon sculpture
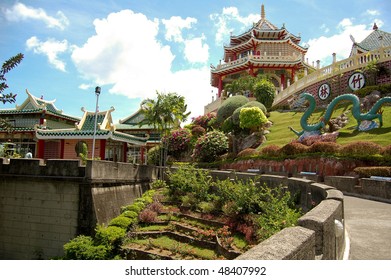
(373, 113)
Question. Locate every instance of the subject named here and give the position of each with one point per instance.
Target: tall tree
(7, 66)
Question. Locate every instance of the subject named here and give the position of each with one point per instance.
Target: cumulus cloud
(196, 51)
(136, 64)
(340, 43)
(175, 25)
(20, 12)
(372, 12)
(226, 22)
(50, 48)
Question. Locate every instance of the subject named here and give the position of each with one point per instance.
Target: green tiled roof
(67, 133)
(90, 121)
(376, 40)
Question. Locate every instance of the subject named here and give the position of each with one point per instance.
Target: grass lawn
(280, 134)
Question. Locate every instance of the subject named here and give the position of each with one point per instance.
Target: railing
(337, 68)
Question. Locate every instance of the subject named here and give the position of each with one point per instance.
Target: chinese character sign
(356, 81)
(324, 91)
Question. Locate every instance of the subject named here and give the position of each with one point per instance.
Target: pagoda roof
(133, 121)
(32, 105)
(264, 30)
(85, 129)
(375, 40)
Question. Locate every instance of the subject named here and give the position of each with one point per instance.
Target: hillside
(280, 134)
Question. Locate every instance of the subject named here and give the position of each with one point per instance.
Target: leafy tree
(264, 92)
(7, 66)
(166, 112)
(252, 118)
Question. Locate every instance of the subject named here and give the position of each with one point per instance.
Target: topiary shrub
(325, 148)
(293, 148)
(248, 153)
(122, 222)
(130, 214)
(135, 207)
(366, 172)
(83, 248)
(236, 113)
(252, 118)
(264, 92)
(209, 146)
(271, 151)
(360, 148)
(110, 236)
(229, 106)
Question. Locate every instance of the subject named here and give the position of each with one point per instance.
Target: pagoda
(263, 49)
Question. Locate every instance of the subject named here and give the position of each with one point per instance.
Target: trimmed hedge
(360, 149)
(366, 172)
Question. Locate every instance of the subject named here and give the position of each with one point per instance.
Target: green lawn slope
(280, 134)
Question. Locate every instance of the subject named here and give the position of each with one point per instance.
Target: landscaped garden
(190, 216)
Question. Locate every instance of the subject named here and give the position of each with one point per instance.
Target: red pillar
(102, 150)
(220, 86)
(283, 80)
(62, 148)
(41, 148)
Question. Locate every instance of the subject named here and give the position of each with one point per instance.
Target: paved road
(368, 224)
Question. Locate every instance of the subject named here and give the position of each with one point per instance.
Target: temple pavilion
(39, 127)
(263, 49)
(375, 40)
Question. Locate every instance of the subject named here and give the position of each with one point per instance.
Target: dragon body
(373, 113)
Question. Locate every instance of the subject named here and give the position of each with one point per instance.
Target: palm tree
(166, 112)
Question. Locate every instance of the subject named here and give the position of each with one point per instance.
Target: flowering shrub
(178, 141)
(209, 146)
(197, 131)
(361, 148)
(271, 151)
(205, 121)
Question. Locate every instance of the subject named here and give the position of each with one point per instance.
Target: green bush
(252, 117)
(83, 248)
(188, 180)
(135, 207)
(236, 113)
(110, 236)
(229, 106)
(386, 151)
(209, 146)
(153, 155)
(264, 92)
(158, 184)
(383, 89)
(130, 214)
(366, 172)
(122, 221)
(360, 149)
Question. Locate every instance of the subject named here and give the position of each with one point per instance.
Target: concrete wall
(45, 204)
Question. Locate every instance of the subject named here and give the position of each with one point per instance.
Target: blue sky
(134, 48)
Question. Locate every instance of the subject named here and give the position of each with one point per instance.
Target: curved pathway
(368, 224)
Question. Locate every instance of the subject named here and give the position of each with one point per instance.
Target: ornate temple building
(37, 126)
(263, 49)
(377, 39)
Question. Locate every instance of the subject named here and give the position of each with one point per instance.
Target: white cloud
(196, 51)
(372, 12)
(174, 27)
(22, 12)
(85, 86)
(322, 48)
(136, 64)
(228, 20)
(51, 48)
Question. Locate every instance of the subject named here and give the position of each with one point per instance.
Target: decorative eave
(253, 42)
(106, 123)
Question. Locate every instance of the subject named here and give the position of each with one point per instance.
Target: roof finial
(263, 16)
(374, 26)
